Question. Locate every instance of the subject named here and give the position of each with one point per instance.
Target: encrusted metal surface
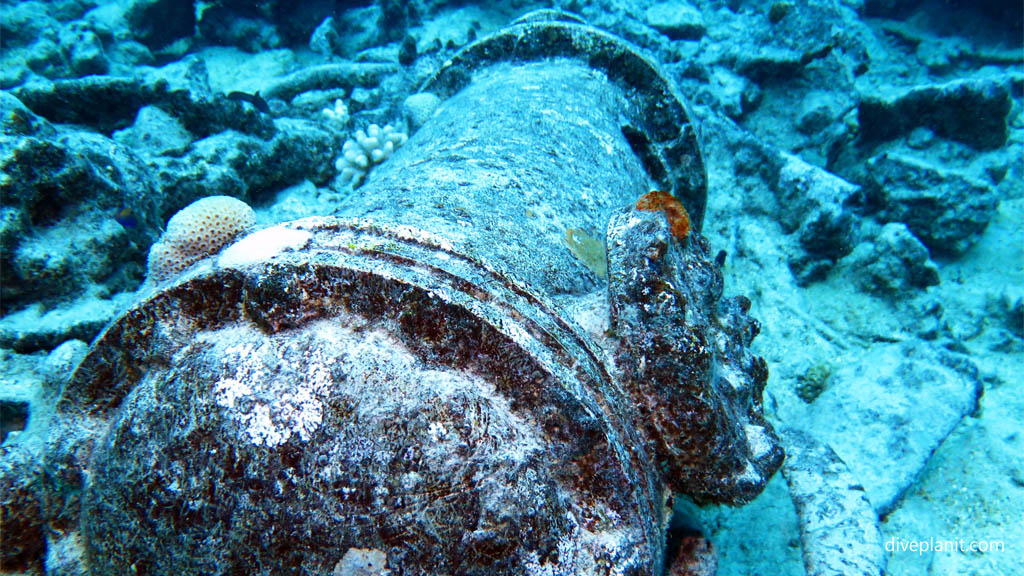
(655, 121)
(373, 390)
(509, 165)
(684, 358)
(402, 382)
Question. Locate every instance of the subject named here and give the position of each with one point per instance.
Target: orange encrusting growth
(678, 218)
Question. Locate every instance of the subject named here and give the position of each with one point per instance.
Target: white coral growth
(338, 113)
(369, 148)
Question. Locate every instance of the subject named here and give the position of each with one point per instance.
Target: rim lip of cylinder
(417, 260)
(661, 119)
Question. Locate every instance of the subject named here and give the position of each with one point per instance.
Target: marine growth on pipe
(439, 378)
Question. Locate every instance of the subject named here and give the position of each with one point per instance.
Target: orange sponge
(678, 217)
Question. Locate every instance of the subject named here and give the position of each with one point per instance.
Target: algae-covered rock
(973, 111)
(947, 210)
(893, 263)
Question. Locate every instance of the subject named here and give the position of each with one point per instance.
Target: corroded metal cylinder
(452, 376)
(546, 127)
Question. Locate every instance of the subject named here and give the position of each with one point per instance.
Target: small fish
(126, 217)
(256, 100)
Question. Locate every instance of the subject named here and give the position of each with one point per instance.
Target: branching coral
(371, 147)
